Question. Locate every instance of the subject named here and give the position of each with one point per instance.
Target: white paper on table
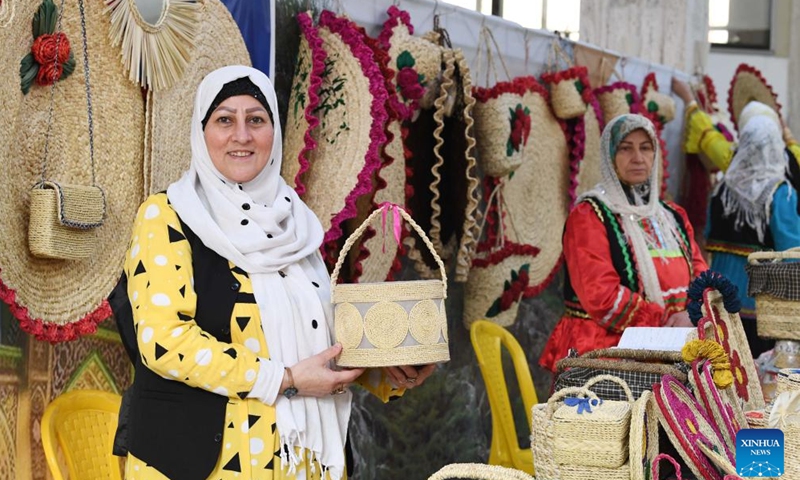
(654, 338)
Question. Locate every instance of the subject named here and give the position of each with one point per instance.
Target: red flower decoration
(49, 73)
(520, 129)
(740, 379)
(49, 48)
(408, 81)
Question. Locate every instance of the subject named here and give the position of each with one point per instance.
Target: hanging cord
(497, 192)
(52, 100)
(88, 87)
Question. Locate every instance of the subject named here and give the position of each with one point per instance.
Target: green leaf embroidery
(652, 106)
(629, 98)
(405, 59)
(514, 276)
(579, 86)
(69, 67)
(45, 18)
(506, 285)
(509, 149)
(494, 310)
(28, 68)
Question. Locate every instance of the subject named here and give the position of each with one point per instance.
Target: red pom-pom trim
(519, 86)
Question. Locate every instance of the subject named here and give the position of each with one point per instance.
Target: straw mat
(537, 195)
(59, 300)
(218, 43)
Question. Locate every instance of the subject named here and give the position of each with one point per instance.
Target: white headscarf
(647, 207)
(279, 249)
(758, 167)
(755, 109)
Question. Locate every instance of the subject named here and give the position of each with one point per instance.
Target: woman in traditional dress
(630, 257)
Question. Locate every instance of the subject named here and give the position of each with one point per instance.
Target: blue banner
(256, 21)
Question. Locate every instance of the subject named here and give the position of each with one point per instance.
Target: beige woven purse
(390, 323)
(63, 217)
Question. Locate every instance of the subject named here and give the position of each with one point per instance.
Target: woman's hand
(679, 319)
(682, 90)
(409, 376)
(313, 377)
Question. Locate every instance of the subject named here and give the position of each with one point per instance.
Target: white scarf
(648, 208)
(758, 167)
(210, 205)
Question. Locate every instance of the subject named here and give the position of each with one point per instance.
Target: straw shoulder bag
(63, 219)
(640, 369)
(390, 323)
(775, 284)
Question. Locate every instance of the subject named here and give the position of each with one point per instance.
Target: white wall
(721, 67)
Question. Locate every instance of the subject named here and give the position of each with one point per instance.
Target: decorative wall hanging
(350, 135)
(57, 300)
(50, 58)
(749, 84)
(168, 153)
(617, 99)
(537, 194)
(714, 306)
(499, 274)
(157, 38)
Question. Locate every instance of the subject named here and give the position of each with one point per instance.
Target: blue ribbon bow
(583, 404)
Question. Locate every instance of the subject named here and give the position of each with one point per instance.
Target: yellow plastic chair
(82, 423)
(487, 339)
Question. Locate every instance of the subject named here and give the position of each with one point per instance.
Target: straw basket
(390, 323)
(659, 104)
(63, 219)
(617, 99)
(788, 380)
(643, 439)
(791, 442)
(546, 441)
(567, 91)
(775, 284)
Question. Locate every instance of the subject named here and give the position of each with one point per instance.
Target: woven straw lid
(748, 84)
(588, 174)
(537, 195)
(218, 43)
(303, 100)
(59, 300)
(350, 134)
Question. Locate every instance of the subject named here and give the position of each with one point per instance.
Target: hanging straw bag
(63, 217)
(390, 323)
(560, 434)
(640, 369)
(775, 284)
(569, 89)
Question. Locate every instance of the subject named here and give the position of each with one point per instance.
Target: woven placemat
(60, 300)
(218, 43)
(537, 194)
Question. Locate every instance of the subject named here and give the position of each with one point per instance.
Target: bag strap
(561, 394)
(756, 257)
(611, 378)
(657, 460)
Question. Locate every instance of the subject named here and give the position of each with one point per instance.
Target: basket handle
(611, 378)
(556, 397)
(755, 257)
(657, 368)
(634, 354)
(393, 210)
(664, 456)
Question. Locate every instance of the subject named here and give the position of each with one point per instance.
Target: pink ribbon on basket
(388, 207)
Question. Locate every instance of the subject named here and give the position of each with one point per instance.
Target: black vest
(622, 256)
(724, 237)
(171, 426)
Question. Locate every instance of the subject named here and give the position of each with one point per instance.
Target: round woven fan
(712, 399)
(157, 38)
(748, 84)
(537, 194)
(218, 44)
(58, 300)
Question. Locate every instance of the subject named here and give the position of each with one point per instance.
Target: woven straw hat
(169, 153)
(303, 100)
(352, 115)
(59, 300)
(617, 99)
(537, 195)
(748, 84)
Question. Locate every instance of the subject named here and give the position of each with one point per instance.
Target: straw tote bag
(775, 284)
(390, 323)
(63, 217)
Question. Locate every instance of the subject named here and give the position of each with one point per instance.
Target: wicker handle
(634, 354)
(556, 397)
(657, 368)
(353, 238)
(611, 378)
(479, 471)
(664, 456)
(755, 257)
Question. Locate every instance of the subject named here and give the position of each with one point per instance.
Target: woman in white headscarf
(755, 207)
(630, 257)
(231, 311)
